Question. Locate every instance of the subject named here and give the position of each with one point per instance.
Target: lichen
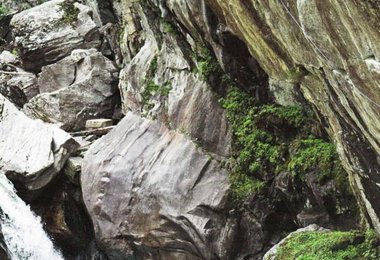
(329, 246)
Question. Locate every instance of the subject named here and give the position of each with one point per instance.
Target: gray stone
(78, 88)
(31, 152)
(284, 93)
(7, 57)
(72, 169)
(98, 123)
(45, 39)
(150, 188)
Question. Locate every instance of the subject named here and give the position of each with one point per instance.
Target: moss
(329, 246)
(70, 12)
(152, 89)
(259, 152)
(3, 10)
(317, 155)
(242, 185)
(207, 64)
(168, 27)
(293, 115)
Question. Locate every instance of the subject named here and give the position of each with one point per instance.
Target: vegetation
(151, 88)
(168, 27)
(206, 63)
(3, 10)
(315, 154)
(329, 246)
(259, 152)
(70, 12)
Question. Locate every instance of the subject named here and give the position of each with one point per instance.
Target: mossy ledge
(324, 245)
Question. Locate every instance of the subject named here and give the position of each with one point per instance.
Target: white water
(22, 230)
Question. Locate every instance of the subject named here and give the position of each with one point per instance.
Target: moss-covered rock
(327, 245)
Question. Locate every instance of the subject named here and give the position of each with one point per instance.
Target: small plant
(207, 64)
(70, 12)
(152, 89)
(292, 115)
(168, 27)
(242, 186)
(3, 10)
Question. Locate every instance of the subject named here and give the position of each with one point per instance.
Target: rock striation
(151, 193)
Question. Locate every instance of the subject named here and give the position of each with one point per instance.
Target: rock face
(79, 87)
(160, 80)
(331, 50)
(151, 193)
(44, 39)
(31, 152)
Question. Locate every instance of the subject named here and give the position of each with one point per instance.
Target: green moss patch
(3, 10)
(329, 246)
(260, 152)
(316, 154)
(70, 12)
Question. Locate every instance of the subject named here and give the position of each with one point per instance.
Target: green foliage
(320, 245)
(152, 89)
(153, 67)
(256, 150)
(70, 12)
(243, 186)
(207, 65)
(3, 10)
(259, 152)
(168, 27)
(316, 154)
(293, 115)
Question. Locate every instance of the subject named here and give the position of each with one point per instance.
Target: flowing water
(22, 230)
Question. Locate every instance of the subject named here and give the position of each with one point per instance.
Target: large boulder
(80, 87)
(152, 193)
(31, 152)
(44, 39)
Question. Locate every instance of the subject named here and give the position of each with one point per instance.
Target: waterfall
(22, 229)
